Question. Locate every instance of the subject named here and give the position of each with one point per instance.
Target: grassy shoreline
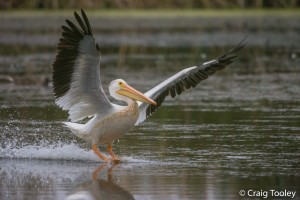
(154, 13)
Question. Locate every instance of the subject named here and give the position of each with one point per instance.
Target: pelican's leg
(115, 158)
(96, 150)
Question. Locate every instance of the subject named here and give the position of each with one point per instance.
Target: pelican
(77, 89)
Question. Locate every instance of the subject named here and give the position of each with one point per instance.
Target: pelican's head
(120, 90)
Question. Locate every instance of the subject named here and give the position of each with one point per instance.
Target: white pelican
(77, 88)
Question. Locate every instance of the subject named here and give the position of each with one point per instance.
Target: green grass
(155, 12)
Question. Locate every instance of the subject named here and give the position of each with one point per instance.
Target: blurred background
(239, 129)
(144, 4)
(170, 33)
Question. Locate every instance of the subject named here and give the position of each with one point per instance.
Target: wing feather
(86, 21)
(81, 23)
(185, 79)
(76, 72)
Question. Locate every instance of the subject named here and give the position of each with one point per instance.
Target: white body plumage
(104, 130)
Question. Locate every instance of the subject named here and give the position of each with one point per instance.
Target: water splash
(71, 152)
(51, 152)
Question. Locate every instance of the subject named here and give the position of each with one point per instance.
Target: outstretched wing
(185, 79)
(76, 72)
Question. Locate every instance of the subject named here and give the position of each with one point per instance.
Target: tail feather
(75, 128)
(82, 131)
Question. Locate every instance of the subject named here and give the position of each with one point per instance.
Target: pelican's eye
(120, 83)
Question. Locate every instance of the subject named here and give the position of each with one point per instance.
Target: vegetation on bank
(147, 4)
(153, 13)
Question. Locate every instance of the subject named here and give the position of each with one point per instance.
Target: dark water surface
(235, 136)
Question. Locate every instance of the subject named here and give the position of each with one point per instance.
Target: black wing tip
(83, 22)
(159, 100)
(230, 55)
(62, 68)
(82, 12)
(76, 15)
(240, 45)
(87, 23)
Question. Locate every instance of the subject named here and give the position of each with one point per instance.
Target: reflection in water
(100, 189)
(50, 179)
(56, 180)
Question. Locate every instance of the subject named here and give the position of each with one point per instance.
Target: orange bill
(132, 93)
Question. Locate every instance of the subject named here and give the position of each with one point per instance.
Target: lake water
(235, 136)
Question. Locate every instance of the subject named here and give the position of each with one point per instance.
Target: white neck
(129, 101)
(122, 98)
